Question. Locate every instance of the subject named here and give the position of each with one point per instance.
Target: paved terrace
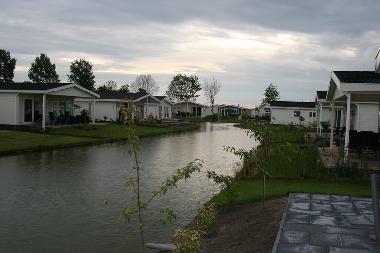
(316, 223)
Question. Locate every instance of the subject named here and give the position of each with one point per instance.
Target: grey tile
(320, 197)
(356, 242)
(338, 198)
(343, 208)
(325, 239)
(297, 218)
(359, 219)
(347, 250)
(321, 207)
(304, 248)
(323, 220)
(300, 206)
(292, 237)
(300, 211)
(304, 227)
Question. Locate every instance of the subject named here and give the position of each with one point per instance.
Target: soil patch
(246, 228)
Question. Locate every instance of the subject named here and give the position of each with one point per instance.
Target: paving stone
(343, 208)
(292, 237)
(352, 231)
(320, 197)
(325, 239)
(361, 199)
(300, 205)
(297, 218)
(342, 203)
(304, 248)
(338, 198)
(347, 250)
(321, 207)
(323, 220)
(305, 227)
(363, 205)
(299, 211)
(360, 219)
(356, 242)
(299, 197)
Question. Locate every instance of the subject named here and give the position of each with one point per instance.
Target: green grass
(16, 141)
(250, 190)
(119, 132)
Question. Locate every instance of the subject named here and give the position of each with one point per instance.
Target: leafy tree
(145, 82)
(107, 86)
(43, 71)
(81, 73)
(124, 87)
(184, 88)
(271, 94)
(211, 89)
(7, 67)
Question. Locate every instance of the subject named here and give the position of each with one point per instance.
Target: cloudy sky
(244, 44)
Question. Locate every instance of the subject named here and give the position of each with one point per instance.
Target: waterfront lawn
(118, 131)
(17, 141)
(250, 190)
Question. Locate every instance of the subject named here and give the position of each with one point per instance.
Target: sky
(246, 45)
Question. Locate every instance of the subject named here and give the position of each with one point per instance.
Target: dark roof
(358, 76)
(31, 86)
(321, 94)
(116, 94)
(293, 104)
(160, 97)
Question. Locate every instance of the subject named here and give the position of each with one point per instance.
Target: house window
(297, 113)
(313, 114)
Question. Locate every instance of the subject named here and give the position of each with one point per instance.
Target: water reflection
(54, 201)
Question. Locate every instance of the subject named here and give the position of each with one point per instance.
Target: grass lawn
(250, 190)
(119, 132)
(14, 141)
(17, 141)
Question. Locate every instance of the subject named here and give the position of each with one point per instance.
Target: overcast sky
(244, 44)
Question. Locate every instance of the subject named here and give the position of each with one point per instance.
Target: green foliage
(7, 67)
(250, 189)
(125, 88)
(271, 94)
(43, 71)
(169, 215)
(81, 73)
(146, 83)
(188, 240)
(184, 88)
(107, 86)
(225, 182)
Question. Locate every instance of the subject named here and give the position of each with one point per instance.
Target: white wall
(106, 109)
(8, 107)
(367, 117)
(285, 116)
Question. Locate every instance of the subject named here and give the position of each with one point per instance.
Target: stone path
(316, 223)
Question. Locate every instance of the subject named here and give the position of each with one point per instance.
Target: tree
(43, 71)
(183, 88)
(271, 94)
(145, 82)
(81, 73)
(125, 88)
(211, 88)
(7, 67)
(107, 86)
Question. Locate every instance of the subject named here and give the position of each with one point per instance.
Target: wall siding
(8, 107)
(285, 116)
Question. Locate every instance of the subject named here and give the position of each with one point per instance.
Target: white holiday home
(110, 102)
(192, 109)
(293, 113)
(40, 104)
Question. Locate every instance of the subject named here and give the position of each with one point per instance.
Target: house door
(28, 110)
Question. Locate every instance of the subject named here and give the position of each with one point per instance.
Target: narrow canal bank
(17, 142)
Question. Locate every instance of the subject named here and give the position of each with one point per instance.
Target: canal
(55, 201)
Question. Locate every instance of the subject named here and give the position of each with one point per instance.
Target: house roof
(293, 104)
(31, 86)
(116, 94)
(322, 94)
(358, 76)
(160, 97)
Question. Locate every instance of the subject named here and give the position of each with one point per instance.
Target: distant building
(293, 113)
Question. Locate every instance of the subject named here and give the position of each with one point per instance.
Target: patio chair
(37, 117)
(52, 118)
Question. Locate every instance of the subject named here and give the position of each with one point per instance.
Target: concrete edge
(277, 241)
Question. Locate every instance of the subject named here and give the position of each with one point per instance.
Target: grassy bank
(13, 142)
(250, 190)
(295, 168)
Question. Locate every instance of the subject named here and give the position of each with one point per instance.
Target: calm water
(54, 201)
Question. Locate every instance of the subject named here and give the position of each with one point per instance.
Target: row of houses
(348, 109)
(44, 104)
